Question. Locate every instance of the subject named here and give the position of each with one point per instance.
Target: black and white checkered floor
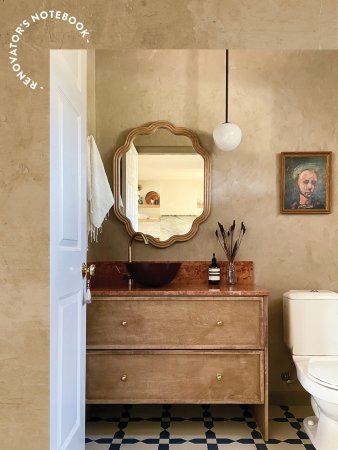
(193, 427)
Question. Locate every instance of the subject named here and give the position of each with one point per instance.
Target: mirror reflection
(161, 184)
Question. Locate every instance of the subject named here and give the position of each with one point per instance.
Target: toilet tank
(311, 322)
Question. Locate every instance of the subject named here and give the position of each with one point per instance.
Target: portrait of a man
(305, 182)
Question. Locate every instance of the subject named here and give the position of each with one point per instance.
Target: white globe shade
(227, 136)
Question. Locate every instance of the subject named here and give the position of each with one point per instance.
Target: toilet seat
(317, 387)
(324, 371)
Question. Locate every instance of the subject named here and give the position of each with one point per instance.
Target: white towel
(99, 195)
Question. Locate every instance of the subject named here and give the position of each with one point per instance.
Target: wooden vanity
(184, 343)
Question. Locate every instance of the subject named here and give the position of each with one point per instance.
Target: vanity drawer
(117, 376)
(234, 323)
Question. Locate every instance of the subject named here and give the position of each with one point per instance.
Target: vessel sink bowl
(153, 274)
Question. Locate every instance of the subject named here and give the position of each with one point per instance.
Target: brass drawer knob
(124, 377)
(124, 323)
(219, 323)
(219, 377)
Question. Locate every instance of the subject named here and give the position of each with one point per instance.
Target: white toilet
(311, 333)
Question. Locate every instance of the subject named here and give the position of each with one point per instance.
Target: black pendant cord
(226, 83)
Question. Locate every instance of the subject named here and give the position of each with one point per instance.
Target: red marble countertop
(191, 280)
(174, 289)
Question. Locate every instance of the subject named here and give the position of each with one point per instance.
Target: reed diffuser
(230, 247)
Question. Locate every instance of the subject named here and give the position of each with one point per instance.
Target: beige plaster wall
(283, 101)
(24, 168)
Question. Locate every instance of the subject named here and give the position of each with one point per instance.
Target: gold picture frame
(305, 182)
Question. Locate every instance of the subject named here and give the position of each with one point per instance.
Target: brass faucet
(135, 235)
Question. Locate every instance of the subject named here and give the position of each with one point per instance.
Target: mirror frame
(148, 129)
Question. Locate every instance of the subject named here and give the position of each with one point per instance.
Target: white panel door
(68, 247)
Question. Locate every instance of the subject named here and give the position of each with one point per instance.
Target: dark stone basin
(153, 274)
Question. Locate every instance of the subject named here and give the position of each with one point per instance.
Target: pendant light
(227, 135)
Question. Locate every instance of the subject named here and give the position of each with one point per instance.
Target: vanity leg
(261, 412)
(261, 415)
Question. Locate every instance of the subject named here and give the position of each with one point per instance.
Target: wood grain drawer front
(181, 377)
(176, 323)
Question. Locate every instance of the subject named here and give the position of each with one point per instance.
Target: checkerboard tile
(97, 446)
(187, 429)
(193, 427)
(285, 446)
(187, 446)
(237, 430)
(281, 430)
(143, 429)
(139, 446)
(102, 429)
(302, 411)
(275, 411)
(236, 446)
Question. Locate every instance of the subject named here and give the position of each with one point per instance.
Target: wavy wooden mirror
(162, 183)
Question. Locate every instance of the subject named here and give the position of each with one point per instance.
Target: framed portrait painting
(305, 182)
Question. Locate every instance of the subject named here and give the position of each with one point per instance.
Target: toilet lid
(325, 371)
(310, 295)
